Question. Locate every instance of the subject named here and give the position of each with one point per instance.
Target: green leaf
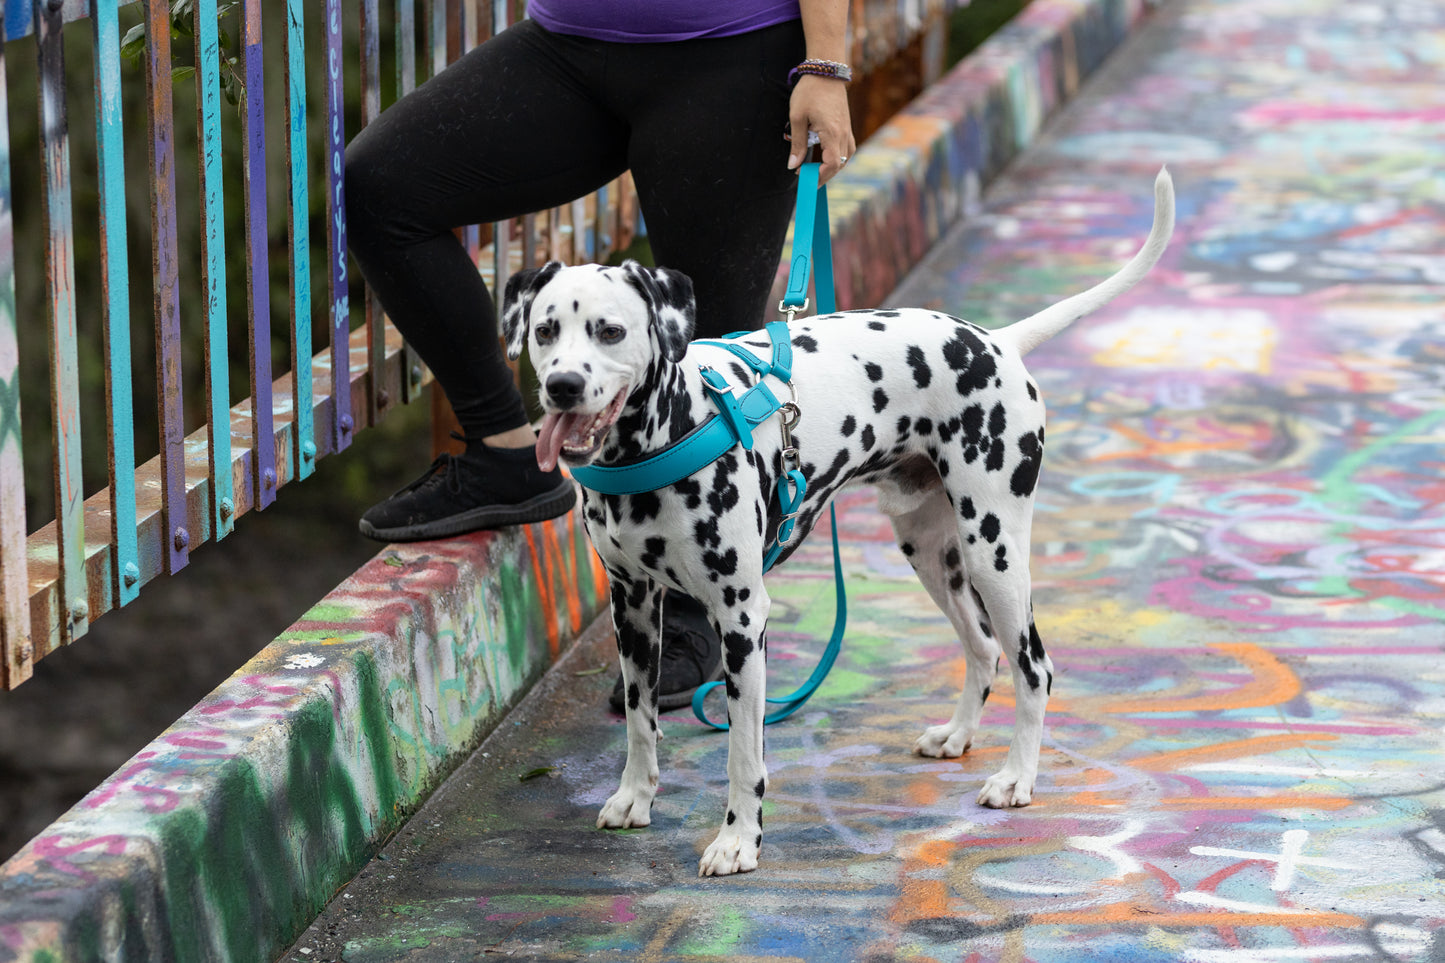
(534, 773)
(597, 671)
(133, 44)
(182, 73)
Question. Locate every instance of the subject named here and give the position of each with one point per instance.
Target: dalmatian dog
(937, 413)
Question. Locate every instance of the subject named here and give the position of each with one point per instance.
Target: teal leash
(811, 241)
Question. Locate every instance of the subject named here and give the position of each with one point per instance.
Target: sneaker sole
(674, 700)
(551, 504)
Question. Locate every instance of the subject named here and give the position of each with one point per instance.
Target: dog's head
(594, 333)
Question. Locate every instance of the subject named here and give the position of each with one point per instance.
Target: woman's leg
(512, 127)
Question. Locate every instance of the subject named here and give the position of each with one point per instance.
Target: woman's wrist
(821, 68)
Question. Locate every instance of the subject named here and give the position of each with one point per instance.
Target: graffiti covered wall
(1238, 572)
(922, 172)
(224, 837)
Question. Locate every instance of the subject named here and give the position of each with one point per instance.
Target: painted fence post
(16, 651)
(115, 277)
(264, 479)
(74, 612)
(213, 270)
(303, 448)
(342, 422)
(176, 537)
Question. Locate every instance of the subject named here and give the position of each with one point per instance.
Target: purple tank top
(659, 21)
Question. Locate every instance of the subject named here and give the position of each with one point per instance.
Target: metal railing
(98, 551)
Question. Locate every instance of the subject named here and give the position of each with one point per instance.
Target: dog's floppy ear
(522, 287)
(671, 311)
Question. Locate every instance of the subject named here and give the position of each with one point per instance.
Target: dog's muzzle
(575, 436)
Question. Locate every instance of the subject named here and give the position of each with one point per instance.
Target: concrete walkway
(1238, 569)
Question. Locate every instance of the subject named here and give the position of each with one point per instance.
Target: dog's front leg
(637, 621)
(742, 629)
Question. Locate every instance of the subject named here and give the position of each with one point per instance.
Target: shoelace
(446, 465)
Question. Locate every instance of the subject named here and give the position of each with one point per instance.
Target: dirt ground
(93, 705)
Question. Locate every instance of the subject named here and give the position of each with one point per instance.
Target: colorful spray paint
(1237, 572)
(225, 836)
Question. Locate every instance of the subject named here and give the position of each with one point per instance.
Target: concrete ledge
(227, 835)
(923, 170)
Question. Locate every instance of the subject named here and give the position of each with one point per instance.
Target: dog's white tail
(1035, 330)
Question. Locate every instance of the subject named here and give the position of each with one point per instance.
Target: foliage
(183, 14)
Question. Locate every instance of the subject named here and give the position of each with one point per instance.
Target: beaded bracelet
(822, 68)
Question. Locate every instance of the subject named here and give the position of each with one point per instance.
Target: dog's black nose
(566, 390)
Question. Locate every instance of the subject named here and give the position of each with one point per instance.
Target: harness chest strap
(709, 441)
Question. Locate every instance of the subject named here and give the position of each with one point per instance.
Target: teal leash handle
(811, 242)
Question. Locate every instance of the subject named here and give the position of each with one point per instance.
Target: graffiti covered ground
(1238, 569)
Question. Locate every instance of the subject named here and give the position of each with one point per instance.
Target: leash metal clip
(790, 414)
(791, 310)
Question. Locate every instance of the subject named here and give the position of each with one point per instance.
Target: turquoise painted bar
(213, 271)
(64, 355)
(16, 652)
(303, 460)
(115, 279)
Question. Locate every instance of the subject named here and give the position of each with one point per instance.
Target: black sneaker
(691, 655)
(481, 488)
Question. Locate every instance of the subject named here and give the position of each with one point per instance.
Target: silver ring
(842, 160)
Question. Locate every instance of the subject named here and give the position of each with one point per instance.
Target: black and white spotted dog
(939, 414)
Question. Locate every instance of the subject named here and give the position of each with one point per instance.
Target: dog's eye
(546, 332)
(611, 333)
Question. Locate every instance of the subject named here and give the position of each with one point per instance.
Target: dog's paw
(729, 853)
(943, 742)
(627, 809)
(1006, 789)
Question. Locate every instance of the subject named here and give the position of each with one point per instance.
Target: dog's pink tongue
(549, 441)
(554, 432)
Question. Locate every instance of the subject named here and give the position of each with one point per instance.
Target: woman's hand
(820, 104)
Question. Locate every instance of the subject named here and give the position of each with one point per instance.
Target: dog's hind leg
(637, 621)
(930, 541)
(998, 564)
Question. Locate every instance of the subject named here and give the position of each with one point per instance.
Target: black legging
(531, 120)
